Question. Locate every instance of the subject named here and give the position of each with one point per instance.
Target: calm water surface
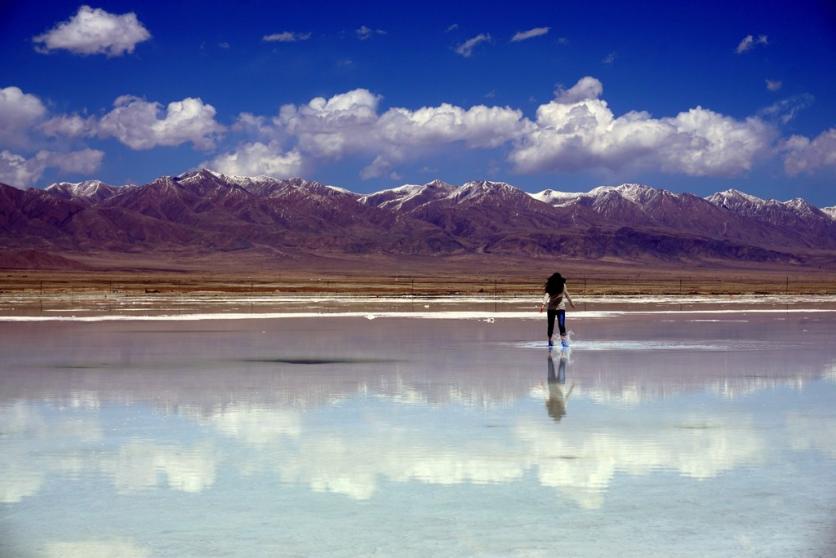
(657, 435)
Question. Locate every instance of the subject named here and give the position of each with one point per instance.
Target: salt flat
(664, 432)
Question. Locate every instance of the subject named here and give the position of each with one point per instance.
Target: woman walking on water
(555, 303)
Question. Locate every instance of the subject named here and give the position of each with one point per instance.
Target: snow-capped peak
(556, 197)
(635, 193)
(800, 204)
(481, 188)
(408, 194)
(249, 182)
(736, 200)
(86, 189)
(733, 195)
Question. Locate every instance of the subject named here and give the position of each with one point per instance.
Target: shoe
(551, 343)
(564, 343)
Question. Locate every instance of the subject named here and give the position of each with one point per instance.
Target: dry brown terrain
(253, 273)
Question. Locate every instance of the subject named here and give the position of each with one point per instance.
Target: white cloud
(349, 123)
(137, 123)
(331, 127)
(251, 159)
(286, 37)
(69, 125)
(17, 170)
(774, 85)
(785, 110)
(364, 32)
(84, 161)
(452, 27)
(749, 42)
(609, 58)
(587, 87)
(578, 130)
(466, 48)
(19, 112)
(95, 31)
(478, 126)
(530, 34)
(805, 155)
(254, 124)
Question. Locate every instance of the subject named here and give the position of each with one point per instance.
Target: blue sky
(674, 96)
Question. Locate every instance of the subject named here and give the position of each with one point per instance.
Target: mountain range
(204, 213)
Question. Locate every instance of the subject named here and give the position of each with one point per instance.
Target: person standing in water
(554, 301)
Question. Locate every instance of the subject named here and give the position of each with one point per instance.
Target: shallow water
(676, 434)
(121, 306)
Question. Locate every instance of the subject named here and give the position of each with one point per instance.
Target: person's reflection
(556, 403)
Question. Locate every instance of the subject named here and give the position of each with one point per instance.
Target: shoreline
(582, 282)
(91, 306)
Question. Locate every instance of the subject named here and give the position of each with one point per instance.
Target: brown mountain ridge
(201, 213)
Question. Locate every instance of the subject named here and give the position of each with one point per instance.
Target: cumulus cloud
(94, 31)
(587, 87)
(139, 125)
(83, 161)
(331, 127)
(19, 111)
(69, 125)
(251, 159)
(530, 34)
(749, 42)
(18, 170)
(255, 125)
(578, 130)
(364, 32)
(805, 155)
(286, 37)
(774, 85)
(466, 48)
(350, 123)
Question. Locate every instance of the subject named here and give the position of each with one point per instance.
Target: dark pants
(561, 321)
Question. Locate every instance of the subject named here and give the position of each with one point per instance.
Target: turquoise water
(663, 435)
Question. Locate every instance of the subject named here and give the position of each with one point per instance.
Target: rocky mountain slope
(203, 212)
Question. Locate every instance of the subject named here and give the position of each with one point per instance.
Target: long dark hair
(554, 284)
